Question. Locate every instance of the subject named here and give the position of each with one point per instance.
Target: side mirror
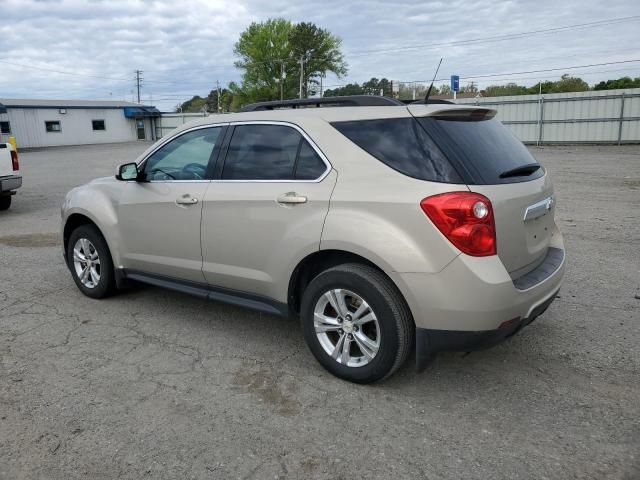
(127, 172)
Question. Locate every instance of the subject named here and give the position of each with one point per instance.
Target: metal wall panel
(170, 121)
(28, 126)
(575, 117)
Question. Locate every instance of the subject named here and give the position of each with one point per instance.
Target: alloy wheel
(347, 327)
(86, 263)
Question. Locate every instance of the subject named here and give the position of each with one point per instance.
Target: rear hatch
(494, 163)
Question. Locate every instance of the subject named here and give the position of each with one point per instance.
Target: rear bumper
(476, 294)
(10, 183)
(430, 342)
(466, 341)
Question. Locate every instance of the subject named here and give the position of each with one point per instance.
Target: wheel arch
(315, 263)
(74, 221)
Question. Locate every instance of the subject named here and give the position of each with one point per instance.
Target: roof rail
(431, 101)
(346, 101)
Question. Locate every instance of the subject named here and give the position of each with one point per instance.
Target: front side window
(98, 124)
(184, 158)
(5, 127)
(270, 152)
(52, 126)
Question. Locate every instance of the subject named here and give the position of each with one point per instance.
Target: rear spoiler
(457, 112)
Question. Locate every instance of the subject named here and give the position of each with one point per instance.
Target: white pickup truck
(10, 179)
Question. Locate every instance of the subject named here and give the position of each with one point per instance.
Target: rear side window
(270, 152)
(309, 165)
(482, 149)
(402, 144)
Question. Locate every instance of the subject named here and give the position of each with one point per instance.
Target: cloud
(184, 47)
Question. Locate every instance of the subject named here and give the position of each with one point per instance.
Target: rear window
(481, 149)
(402, 144)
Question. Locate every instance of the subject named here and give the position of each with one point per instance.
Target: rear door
(494, 163)
(265, 208)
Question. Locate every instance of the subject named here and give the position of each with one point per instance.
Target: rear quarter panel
(375, 211)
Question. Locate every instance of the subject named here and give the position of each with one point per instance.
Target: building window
(98, 124)
(52, 126)
(5, 127)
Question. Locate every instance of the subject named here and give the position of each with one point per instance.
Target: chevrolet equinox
(385, 228)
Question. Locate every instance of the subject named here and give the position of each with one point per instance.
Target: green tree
(444, 90)
(226, 99)
(320, 51)
(623, 82)
(566, 83)
(508, 89)
(470, 87)
(265, 52)
(348, 89)
(195, 104)
(371, 87)
(269, 54)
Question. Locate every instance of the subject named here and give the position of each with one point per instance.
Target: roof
(326, 114)
(40, 103)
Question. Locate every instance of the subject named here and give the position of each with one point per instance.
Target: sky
(70, 49)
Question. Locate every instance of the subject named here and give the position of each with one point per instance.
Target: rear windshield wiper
(522, 170)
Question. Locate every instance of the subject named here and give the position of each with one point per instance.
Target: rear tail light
(14, 161)
(466, 219)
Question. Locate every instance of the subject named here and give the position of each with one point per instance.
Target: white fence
(604, 116)
(169, 121)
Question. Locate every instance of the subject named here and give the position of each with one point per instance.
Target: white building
(44, 123)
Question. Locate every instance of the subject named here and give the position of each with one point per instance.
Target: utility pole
(138, 78)
(301, 74)
(282, 80)
(218, 89)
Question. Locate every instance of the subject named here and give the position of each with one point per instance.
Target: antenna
(426, 98)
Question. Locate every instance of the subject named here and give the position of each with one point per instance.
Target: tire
(5, 202)
(389, 323)
(105, 284)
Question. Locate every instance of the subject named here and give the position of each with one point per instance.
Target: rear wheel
(90, 262)
(356, 323)
(5, 202)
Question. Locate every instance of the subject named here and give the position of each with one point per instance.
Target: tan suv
(383, 227)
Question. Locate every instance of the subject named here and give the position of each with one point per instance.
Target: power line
(507, 76)
(495, 38)
(552, 69)
(64, 72)
(356, 53)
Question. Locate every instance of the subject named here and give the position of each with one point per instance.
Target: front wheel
(90, 262)
(356, 323)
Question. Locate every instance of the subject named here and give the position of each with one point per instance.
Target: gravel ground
(156, 384)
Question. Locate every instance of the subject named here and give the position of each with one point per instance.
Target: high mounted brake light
(466, 219)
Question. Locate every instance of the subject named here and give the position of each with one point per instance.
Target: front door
(159, 216)
(140, 128)
(265, 209)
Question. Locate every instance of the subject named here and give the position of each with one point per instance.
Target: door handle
(291, 198)
(186, 199)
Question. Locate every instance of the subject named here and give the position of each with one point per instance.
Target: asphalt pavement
(156, 384)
